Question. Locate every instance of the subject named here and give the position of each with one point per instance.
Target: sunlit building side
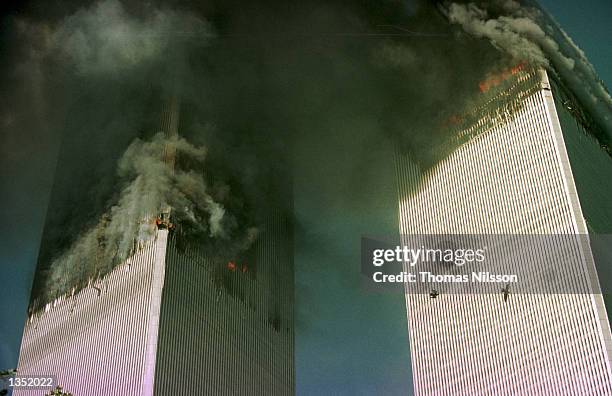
(510, 173)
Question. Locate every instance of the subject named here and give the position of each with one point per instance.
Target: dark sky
(350, 342)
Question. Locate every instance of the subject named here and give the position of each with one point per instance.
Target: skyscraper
(512, 172)
(174, 317)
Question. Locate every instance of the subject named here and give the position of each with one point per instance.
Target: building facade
(509, 173)
(173, 320)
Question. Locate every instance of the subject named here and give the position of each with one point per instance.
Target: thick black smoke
(253, 79)
(523, 31)
(148, 186)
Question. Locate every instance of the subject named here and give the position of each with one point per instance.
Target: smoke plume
(321, 90)
(273, 81)
(526, 33)
(149, 186)
(105, 39)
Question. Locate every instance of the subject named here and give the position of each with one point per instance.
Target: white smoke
(106, 39)
(527, 33)
(150, 186)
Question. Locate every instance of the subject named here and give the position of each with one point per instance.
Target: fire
(496, 79)
(233, 266)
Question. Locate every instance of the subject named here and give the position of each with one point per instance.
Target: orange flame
(497, 79)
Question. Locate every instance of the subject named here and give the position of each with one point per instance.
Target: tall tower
(174, 319)
(512, 175)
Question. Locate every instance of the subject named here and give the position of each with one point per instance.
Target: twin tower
(162, 323)
(174, 320)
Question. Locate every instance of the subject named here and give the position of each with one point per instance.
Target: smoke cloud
(106, 39)
(149, 186)
(526, 33)
(321, 90)
(259, 85)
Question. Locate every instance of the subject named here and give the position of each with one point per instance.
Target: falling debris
(506, 292)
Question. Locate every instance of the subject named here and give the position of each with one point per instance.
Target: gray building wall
(591, 165)
(228, 332)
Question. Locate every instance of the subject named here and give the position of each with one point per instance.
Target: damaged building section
(501, 95)
(176, 267)
(155, 195)
(522, 30)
